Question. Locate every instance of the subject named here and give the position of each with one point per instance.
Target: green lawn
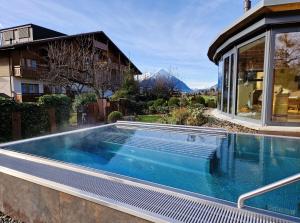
(148, 118)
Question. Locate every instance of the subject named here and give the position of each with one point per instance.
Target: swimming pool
(215, 163)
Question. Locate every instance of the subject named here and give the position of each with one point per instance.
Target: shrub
(114, 116)
(198, 99)
(120, 94)
(211, 103)
(174, 102)
(159, 102)
(184, 102)
(196, 105)
(150, 103)
(196, 117)
(152, 109)
(179, 116)
(62, 105)
(134, 107)
(84, 99)
(162, 109)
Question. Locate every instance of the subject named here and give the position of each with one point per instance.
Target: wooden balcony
(27, 72)
(30, 97)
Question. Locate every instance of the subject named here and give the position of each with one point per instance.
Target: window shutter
(8, 35)
(24, 32)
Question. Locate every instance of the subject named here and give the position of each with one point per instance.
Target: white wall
(5, 85)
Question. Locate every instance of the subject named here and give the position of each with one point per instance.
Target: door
(228, 85)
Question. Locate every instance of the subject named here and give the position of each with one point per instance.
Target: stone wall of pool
(33, 203)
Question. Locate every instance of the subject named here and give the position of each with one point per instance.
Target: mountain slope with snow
(149, 81)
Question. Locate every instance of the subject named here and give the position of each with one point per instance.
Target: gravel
(6, 219)
(231, 127)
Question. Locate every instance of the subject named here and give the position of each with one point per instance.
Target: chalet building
(23, 58)
(259, 66)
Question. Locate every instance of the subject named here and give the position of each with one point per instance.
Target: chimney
(247, 5)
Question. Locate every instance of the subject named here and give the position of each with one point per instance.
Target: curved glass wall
(250, 77)
(286, 78)
(220, 83)
(225, 84)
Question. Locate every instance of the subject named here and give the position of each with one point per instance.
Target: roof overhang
(254, 15)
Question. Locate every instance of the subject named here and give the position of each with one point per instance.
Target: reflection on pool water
(222, 166)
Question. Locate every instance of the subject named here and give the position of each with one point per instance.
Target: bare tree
(78, 63)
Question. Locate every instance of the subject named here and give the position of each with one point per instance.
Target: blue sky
(153, 33)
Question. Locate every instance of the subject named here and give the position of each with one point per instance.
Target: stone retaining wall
(32, 203)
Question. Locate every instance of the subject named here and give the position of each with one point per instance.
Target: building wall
(5, 85)
(16, 38)
(4, 67)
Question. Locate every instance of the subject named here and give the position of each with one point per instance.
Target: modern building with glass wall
(259, 65)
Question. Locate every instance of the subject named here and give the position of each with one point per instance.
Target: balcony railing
(29, 72)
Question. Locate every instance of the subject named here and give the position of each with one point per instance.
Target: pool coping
(117, 178)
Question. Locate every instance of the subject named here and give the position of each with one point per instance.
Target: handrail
(267, 188)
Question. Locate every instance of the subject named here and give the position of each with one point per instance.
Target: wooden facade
(23, 60)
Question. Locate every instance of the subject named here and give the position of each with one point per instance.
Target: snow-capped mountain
(148, 80)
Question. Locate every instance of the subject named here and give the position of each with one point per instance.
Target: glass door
(228, 83)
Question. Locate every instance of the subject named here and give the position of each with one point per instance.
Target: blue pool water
(222, 166)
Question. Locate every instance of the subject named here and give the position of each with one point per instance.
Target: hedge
(34, 116)
(34, 119)
(6, 109)
(84, 99)
(62, 105)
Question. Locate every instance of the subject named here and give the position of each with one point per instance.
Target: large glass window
(29, 88)
(225, 84)
(286, 78)
(231, 83)
(250, 79)
(220, 81)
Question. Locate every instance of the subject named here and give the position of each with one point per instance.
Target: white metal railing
(267, 188)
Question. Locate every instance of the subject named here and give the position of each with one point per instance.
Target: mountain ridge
(179, 84)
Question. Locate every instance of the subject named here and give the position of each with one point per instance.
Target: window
(29, 88)
(220, 80)
(31, 63)
(231, 83)
(225, 84)
(9, 35)
(250, 79)
(23, 32)
(28, 63)
(286, 78)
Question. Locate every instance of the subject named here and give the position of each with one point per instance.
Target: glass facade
(250, 77)
(241, 79)
(286, 78)
(220, 83)
(231, 83)
(225, 84)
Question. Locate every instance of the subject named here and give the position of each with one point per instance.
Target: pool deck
(35, 189)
